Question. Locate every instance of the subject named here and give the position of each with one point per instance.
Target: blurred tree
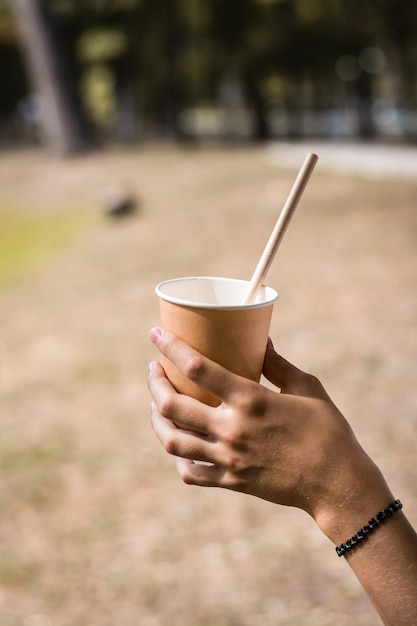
(131, 63)
(109, 82)
(398, 29)
(238, 37)
(54, 71)
(13, 76)
(160, 35)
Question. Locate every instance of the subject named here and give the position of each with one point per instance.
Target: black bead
(369, 527)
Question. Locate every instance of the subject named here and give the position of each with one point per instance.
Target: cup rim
(270, 297)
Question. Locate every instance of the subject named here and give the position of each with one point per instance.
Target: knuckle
(311, 383)
(167, 407)
(170, 444)
(186, 477)
(240, 484)
(252, 404)
(234, 436)
(194, 367)
(235, 482)
(234, 464)
(311, 379)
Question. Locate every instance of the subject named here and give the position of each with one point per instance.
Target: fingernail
(151, 366)
(153, 407)
(154, 334)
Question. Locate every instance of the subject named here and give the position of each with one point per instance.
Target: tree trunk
(261, 130)
(53, 74)
(126, 128)
(364, 106)
(172, 92)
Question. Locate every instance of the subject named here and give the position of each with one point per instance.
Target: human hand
(291, 447)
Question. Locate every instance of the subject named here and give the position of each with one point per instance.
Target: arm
(256, 442)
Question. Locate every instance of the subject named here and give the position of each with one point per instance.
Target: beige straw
(281, 226)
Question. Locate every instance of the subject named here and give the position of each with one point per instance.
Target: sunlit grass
(13, 572)
(31, 470)
(26, 241)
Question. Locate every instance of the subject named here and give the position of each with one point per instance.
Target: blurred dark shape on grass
(119, 202)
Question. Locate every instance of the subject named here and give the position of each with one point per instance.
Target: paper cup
(209, 315)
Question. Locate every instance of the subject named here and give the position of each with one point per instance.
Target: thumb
(279, 371)
(289, 378)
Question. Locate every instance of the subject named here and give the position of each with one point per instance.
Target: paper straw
(280, 228)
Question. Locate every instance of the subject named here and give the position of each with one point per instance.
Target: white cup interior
(212, 292)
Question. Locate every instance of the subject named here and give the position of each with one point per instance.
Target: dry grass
(96, 528)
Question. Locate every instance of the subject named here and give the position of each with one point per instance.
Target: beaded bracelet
(373, 523)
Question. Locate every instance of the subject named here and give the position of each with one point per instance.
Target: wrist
(367, 529)
(353, 500)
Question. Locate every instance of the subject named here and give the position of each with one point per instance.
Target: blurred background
(146, 139)
(127, 70)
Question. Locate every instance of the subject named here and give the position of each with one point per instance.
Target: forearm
(385, 562)
(386, 566)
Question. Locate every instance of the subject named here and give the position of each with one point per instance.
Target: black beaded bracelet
(373, 523)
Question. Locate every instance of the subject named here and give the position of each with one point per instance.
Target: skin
(255, 442)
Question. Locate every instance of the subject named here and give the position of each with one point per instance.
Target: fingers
(186, 412)
(207, 475)
(226, 385)
(178, 442)
(198, 368)
(190, 447)
(196, 474)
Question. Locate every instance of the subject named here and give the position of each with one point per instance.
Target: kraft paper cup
(209, 315)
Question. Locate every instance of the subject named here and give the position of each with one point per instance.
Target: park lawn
(29, 240)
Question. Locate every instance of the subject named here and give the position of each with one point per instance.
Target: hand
(291, 447)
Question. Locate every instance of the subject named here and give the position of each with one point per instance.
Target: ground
(96, 527)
